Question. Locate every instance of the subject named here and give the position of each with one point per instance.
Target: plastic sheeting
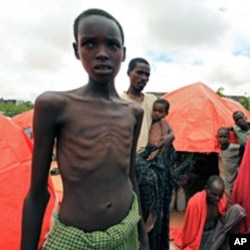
(196, 113)
(15, 172)
(25, 119)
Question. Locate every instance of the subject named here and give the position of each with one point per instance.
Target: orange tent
(15, 172)
(235, 106)
(25, 119)
(196, 112)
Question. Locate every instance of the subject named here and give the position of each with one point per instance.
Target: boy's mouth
(103, 68)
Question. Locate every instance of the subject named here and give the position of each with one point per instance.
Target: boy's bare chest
(90, 122)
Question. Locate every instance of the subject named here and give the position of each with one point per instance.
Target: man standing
(139, 72)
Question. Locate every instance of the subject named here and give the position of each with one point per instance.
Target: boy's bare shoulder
(52, 100)
(57, 98)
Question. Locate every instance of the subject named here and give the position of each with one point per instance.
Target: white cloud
(185, 41)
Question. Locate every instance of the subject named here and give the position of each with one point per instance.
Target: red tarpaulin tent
(25, 119)
(15, 172)
(196, 113)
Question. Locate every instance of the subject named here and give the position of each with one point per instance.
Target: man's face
(139, 76)
(240, 119)
(215, 193)
(99, 47)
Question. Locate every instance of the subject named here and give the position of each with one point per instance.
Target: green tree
(245, 101)
(219, 91)
(10, 110)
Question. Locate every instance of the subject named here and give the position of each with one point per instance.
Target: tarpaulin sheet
(196, 113)
(25, 119)
(15, 172)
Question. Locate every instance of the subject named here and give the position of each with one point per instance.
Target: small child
(231, 155)
(159, 127)
(153, 173)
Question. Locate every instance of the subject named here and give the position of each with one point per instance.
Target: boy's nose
(102, 53)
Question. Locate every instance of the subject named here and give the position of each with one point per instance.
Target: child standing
(231, 155)
(96, 133)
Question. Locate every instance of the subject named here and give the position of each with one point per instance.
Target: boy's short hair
(236, 112)
(225, 129)
(134, 61)
(97, 12)
(164, 102)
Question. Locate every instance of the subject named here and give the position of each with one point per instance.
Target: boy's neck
(225, 145)
(101, 89)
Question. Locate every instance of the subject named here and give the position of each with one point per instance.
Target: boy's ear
(76, 50)
(124, 54)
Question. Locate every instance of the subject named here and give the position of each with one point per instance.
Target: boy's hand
(152, 155)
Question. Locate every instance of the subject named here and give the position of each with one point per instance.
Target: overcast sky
(185, 41)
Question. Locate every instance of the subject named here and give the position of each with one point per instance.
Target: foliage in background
(10, 109)
(220, 92)
(243, 100)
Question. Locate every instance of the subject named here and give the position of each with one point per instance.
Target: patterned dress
(155, 187)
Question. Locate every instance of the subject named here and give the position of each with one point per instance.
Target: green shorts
(123, 236)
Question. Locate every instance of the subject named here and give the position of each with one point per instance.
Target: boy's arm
(143, 236)
(168, 138)
(38, 196)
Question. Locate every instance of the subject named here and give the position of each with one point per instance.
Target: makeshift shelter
(15, 172)
(196, 112)
(25, 119)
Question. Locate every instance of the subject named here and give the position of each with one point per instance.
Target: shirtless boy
(160, 127)
(96, 133)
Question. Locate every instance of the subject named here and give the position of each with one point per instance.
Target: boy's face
(99, 47)
(139, 76)
(158, 112)
(222, 136)
(240, 119)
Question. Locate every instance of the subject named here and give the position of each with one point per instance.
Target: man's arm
(144, 244)
(38, 196)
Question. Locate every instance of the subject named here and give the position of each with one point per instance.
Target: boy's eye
(89, 44)
(114, 45)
